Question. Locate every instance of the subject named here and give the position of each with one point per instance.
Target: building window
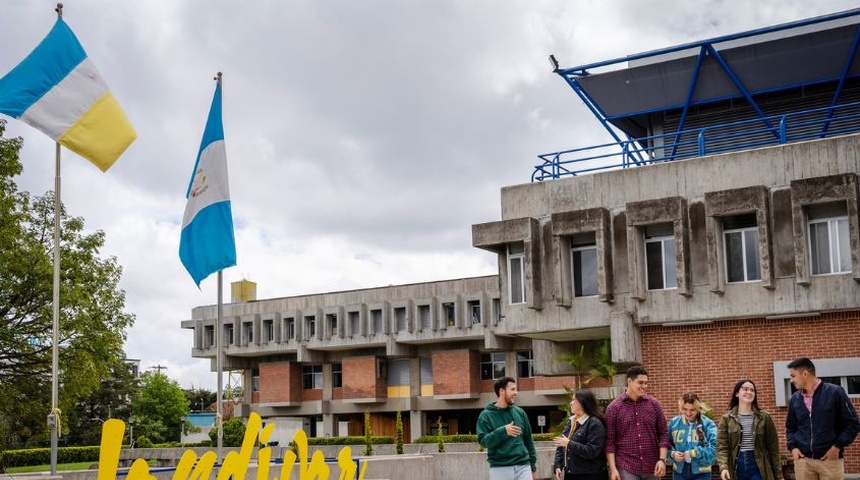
(497, 309)
(400, 318)
(247, 333)
(268, 330)
(228, 334)
(449, 313)
(844, 372)
(354, 324)
(337, 375)
(516, 273)
(492, 365)
(255, 379)
(525, 364)
(311, 324)
(208, 336)
(829, 247)
(583, 257)
(424, 317)
(376, 320)
(398, 373)
(291, 328)
(312, 377)
(332, 325)
(425, 369)
(474, 307)
(742, 259)
(660, 257)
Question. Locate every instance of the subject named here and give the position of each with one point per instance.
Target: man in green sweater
(504, 430)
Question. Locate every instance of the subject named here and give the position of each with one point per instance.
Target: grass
(60, 467)
(47, 468)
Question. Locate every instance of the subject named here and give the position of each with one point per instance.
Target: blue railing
(698, 142)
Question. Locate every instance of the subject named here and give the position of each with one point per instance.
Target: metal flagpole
(54, 416)
(218, 365)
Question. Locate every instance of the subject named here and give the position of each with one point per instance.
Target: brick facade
(710, 359)
(280, 382)
(456, 372)
(359, 379)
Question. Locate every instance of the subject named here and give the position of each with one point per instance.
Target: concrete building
(716, 238)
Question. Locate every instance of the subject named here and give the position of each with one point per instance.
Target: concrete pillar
(417, 424)
(328, 425)
(625, 338)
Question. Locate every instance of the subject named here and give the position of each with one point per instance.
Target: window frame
(834, 255)
(311, 375)
(573, 271)
(662, 240)
(493, 359)
(528, 361)
(742, 231)
(520, 257)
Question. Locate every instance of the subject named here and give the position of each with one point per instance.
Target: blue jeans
(747, 468)
(687, 474)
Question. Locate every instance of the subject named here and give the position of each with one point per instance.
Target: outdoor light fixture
(554, 63)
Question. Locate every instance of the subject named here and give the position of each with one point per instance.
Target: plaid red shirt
(635, 432)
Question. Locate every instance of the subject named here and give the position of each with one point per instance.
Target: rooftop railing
(699, 142)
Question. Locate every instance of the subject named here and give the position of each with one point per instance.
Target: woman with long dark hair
(579, 453)
(747, 443)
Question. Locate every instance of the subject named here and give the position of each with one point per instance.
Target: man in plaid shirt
(637, 434)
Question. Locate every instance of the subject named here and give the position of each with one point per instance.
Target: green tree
(234, 433)
(159, 408)
(92, 323)
(200, 399)
(110, 400)
(579, 361)
(368, 434)
(398, 436)
(604, 367)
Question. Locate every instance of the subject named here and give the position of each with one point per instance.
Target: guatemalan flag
(59, 91)
(207, 244)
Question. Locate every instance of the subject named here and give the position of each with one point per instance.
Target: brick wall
(359, 379)
(280, 382)
(456, 372)
(710, 359)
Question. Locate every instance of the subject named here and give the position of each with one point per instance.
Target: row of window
(829, 253)
(396, 371)
(376, 324)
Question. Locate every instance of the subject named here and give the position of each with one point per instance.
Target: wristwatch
(534, 468)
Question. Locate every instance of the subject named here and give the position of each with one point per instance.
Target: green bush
(472, 438)
(143, 442)
(42, 456)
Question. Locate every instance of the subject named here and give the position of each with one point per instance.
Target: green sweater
(502, 449)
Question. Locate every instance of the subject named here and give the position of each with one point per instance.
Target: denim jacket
(699, 438)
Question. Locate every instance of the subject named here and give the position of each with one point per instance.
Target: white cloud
(364, 138)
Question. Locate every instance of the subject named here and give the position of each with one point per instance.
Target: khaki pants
(810, 469)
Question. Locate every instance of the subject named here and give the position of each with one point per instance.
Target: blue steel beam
(693, 82)
(845, 71)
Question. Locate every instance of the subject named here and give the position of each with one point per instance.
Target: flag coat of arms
(207, 244)
(58, 90)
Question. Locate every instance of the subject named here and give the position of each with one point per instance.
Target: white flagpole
(54, 416)
(218, 365)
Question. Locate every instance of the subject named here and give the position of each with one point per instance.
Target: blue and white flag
(207, 244)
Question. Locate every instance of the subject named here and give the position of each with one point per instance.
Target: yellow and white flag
(59, 91)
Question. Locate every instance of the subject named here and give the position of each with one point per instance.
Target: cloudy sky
(364, 138)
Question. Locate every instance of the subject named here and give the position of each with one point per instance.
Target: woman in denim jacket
(693, 440)
(580, 451)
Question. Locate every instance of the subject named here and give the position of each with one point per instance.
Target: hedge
(472, 438)
(42, 456)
